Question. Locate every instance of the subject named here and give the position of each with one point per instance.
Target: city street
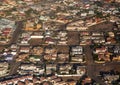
(56, 37)
(93, 69)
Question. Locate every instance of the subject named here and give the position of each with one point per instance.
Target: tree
(99, 14)
(14, 9)
(29, 11)
(58, 9)
(99, 3)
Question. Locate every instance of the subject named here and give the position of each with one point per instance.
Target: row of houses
(107, 53)
(49, 69)
(48, 37)
(50, 54)
(7, 28)
(105, 38)
(4, 69)
(30, 80)
(110, 77)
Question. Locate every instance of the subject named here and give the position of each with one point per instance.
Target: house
(30, 26)
(30, 69)
(9, 82)
(29, 82)
(37, 50)
(22, 57)
(52, 57)
(76, 50)
(50, 68)
(24, 49)
(25, 37)
(100, 50)
(62, 42)
(87, 80)
(117, 0)
(14, 47)
(99, 41)
(109, 76)
(110, 40)
(49, 40)
(116, 58)
(91, 12)
(15, 80)
(81, 28)
(83, 14)
(58, 80)
(85, 33)
(111, 34)
(50, 50)
(85, 42)
(6, 31)
(20, 83)
(77, 58)
(63, 57)
(9, 57)
(37, 35)
(48, 34)
(35, 80)
(3, 68)
(116, 49)
(86, 37)
(3, 83)
(62, 34)
(33, 58)
(71, 82)
(97, 34)
(64, 69)
(104, 57)
(81, 70)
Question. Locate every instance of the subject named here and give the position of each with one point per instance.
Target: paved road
(16, 33)
(14, 67)
(91, 66)
(93, 69)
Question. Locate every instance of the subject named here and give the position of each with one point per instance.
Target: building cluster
(43, 37)
(4, 69)
(49, 37)
(64, 37)
(8, 53)
(110, 77)
(87, 80)
(38, 59)
(62, 11)
(16, 10)
(30, 80)
(45, 55)
(7, 28)
(106, 53)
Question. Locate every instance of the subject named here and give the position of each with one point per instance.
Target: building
(4, 68)
(76, 50)
(81, 70)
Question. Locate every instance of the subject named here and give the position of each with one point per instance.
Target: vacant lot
(105, 26)
(62, 49)
(73, 38)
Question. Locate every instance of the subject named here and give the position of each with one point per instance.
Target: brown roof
(20, 83)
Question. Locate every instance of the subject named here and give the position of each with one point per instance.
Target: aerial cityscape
(59, 42)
